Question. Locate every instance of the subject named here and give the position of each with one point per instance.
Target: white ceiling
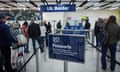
(80, 4)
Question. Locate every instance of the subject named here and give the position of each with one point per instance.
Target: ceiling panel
(89, 5)
(100, 4)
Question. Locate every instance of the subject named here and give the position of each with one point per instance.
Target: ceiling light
(96, 4)
(96, 8)
(10, 9)
(113, 8)
(21, 5)
(39, 8)
(58, 1)
(1, 8)
(24, 9)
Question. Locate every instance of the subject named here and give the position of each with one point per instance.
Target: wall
(53, 17)
(92, 14)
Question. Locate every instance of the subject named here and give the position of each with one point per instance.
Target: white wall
(92, 14)
(53, 17)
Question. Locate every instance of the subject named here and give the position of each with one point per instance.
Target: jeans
(98, 44)
(42, 39)
(26, 46)
(34, 44)
(112, 48)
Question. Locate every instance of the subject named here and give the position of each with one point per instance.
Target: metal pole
(45, 54)
(97, 62)
(65, 66)
(37, 62)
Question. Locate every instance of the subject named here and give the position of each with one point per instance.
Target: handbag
(21, 38)
(2, 59)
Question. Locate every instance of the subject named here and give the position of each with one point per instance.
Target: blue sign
(58, 8)
(66, 47)
(71, 30)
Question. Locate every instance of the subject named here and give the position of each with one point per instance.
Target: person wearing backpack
(113, 31)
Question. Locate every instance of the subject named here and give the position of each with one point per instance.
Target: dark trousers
(112, 48)
(42, 39)
(6, 51)
(34, 42)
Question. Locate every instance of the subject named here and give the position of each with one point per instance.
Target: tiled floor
(92, 64)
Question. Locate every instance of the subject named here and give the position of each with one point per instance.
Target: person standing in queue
(59, 26)
(34, 34)
(87, 26)
(49, 30)
(43, 34)
(5, 42)
(113, 30)
(25, 30)
(99, 26)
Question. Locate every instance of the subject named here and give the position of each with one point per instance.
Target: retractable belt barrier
(26, 62)
(19, 70)
(100, 51)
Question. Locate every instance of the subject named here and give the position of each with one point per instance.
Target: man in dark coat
(5, 42)
(34, 34)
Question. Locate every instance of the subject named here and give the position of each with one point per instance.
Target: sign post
(65, 66)
(67, 47)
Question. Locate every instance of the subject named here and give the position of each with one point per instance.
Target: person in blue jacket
(5, 42)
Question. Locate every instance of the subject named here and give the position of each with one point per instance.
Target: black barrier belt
(100, 52)
(19, 70)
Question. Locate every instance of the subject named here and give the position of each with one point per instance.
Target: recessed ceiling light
(113, 8)
(96, 4)
(95, 8)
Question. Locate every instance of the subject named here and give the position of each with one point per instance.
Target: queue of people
(112, 29)
(39, 32)
(8, 38)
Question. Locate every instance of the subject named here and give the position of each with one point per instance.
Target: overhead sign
(66, 47)
(58, 8)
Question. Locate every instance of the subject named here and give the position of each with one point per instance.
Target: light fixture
(96, 8)
(113, 8)
(39, 8)
(58, 1)
(96, 4)
(72, 1)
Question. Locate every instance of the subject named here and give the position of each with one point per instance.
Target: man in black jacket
(34, 34)
(5, 42)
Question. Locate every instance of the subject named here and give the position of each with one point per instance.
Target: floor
(45, 64)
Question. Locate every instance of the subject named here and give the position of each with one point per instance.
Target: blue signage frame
(67, 47)
(58, 8)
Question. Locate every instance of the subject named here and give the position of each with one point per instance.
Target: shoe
(104, 69)
(14, 70)
(41, 50)
(111, 70)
